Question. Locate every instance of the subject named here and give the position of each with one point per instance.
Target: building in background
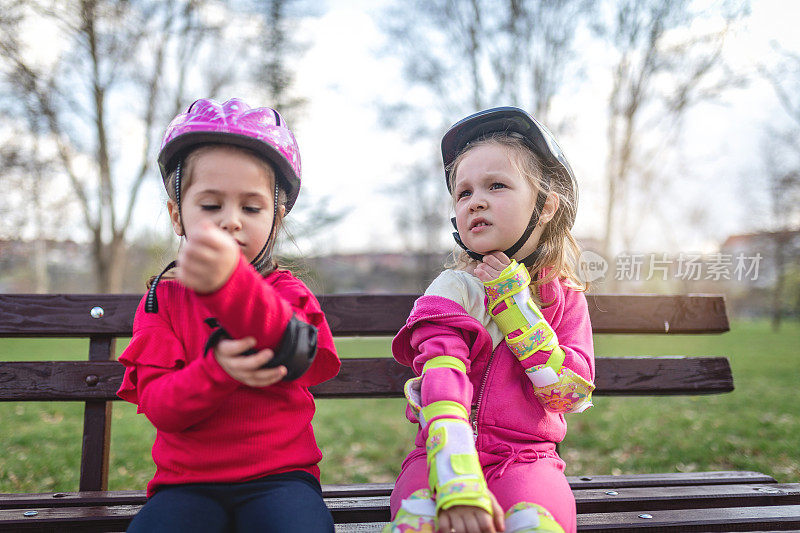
(758, 272)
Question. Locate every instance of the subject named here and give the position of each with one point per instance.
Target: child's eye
(463, 194)
(497, 185)
(251, 209)
(209, 207)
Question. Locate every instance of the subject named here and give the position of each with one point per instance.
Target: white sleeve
(467, 291)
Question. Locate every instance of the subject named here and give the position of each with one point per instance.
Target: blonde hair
(189, 162)
(559, 250)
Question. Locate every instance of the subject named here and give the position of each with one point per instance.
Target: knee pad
(417, 514)
(526, 517)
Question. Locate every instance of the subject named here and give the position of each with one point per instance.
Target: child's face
(233, 190)
(493, 202)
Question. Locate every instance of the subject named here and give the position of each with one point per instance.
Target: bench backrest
(103, 318)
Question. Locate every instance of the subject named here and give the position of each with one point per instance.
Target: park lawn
(756, 427)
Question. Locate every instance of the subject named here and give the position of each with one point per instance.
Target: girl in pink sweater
(224, 351)
(501, 343)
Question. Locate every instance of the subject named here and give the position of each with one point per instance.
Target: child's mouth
(479, 226)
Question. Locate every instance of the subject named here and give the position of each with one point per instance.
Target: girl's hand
(247, 368)
(491, 266)
(207, 259)
(468, 519)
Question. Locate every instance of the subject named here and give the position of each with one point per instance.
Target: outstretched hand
(469, 519)
(491, 266)
(247, 368)
(207, 259)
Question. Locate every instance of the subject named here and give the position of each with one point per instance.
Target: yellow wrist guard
(515, 313)
(454, 472)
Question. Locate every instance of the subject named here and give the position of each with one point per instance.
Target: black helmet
(516, 123)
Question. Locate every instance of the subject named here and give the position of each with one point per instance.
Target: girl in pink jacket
(501, 342)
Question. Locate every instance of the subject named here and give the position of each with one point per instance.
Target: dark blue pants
(278, 503)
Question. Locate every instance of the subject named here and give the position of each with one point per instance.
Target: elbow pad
(296, 351)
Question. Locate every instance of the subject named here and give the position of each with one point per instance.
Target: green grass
(756, 427)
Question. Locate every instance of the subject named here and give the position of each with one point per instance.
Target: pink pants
(535, 475)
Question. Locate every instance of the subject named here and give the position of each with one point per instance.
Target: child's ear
(282, 209)
(549, 209)
(175, 217)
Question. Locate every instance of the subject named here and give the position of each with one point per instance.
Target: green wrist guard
(454, 472)
(515, 313)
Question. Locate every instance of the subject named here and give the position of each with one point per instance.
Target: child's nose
(477, 201)
(230, 220)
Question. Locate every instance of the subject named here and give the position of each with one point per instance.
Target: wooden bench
(706, 501)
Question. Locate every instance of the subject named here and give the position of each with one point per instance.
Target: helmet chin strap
(530, 259)
(261, 257)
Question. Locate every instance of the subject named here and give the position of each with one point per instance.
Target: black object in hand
(296, 351)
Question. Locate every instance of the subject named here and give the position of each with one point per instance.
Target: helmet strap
(178, 179)
(262, 257)
(151, 303)
(534, 220)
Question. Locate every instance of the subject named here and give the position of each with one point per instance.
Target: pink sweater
(210, 427)
(496, 388)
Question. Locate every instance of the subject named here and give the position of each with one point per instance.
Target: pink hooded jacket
(506, 416)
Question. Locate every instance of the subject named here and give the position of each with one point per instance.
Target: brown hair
(559, 249)
(189, 161)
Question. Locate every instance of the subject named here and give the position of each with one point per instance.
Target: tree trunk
(117, 260)
(780, 274)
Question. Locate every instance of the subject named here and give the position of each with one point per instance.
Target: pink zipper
(480, 396)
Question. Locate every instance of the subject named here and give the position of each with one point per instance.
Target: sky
(349, 157)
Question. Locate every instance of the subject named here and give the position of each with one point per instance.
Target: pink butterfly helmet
(260, 129)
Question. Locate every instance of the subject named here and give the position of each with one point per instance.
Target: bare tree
(122, 63)
(782, 169)
(532, 49)
(661, 70)
(467, 56)
(124, 70)
(276, 46)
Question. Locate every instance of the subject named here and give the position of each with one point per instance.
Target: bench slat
(669, 479)
(775, 517)
(676, 480)
(96, 445)
(376, 508)
(685, 497)
(67, 315)
(100, 518)
(370, 377)
(772, 518)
